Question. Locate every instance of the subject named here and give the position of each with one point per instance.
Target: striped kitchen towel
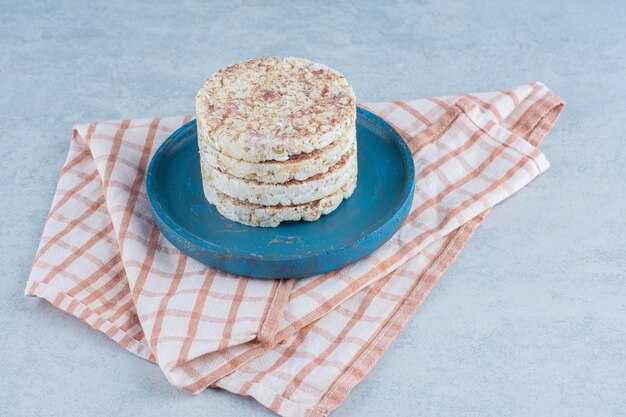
(296, 346)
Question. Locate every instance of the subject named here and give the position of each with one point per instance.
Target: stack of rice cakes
(277, 140)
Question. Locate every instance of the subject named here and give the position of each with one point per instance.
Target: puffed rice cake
(277, 140)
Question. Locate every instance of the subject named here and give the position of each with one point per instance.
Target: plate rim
(161, 215)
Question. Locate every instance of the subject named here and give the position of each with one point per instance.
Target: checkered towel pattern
(296, 346)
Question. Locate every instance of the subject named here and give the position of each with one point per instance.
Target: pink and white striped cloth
(296, 346)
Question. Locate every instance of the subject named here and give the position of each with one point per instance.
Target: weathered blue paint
(361, 224)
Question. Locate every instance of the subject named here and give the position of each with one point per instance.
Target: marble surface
(530, 320)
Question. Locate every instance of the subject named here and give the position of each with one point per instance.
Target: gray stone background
(530, 320)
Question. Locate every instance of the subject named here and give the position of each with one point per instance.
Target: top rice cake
(272, 108)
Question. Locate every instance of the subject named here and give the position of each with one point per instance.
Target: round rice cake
(292, 192)
(271, 216)
(272, 108)
(298, 167)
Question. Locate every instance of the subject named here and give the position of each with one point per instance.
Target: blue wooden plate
(362, 223)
